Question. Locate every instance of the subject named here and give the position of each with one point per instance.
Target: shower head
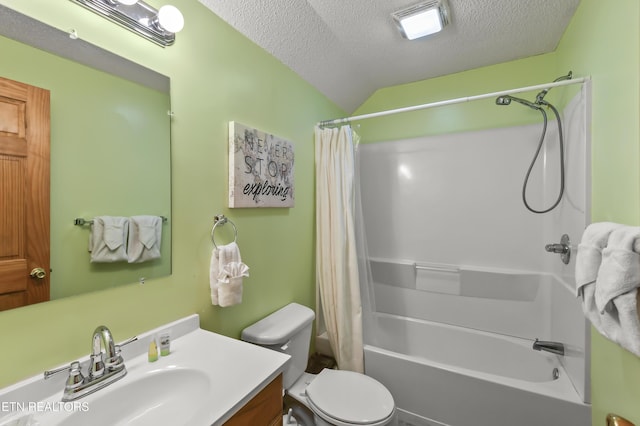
(506, 100)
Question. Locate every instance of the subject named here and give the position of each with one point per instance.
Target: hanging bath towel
(589, 256)
(607, 278)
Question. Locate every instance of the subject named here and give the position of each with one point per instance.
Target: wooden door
(24, 194)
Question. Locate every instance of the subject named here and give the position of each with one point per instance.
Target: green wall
(603, 42)
(217, 76)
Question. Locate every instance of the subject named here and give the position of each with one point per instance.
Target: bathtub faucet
(553, 347)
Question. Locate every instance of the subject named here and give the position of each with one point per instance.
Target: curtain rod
(453, 101)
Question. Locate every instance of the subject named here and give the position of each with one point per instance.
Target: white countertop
(232, 373)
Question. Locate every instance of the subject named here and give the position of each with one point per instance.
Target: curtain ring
(221, 220)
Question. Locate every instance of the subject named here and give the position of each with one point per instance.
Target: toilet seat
(347, 398)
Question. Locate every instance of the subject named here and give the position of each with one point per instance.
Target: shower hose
(537, 154)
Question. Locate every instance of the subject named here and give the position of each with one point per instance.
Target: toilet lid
(350, 397)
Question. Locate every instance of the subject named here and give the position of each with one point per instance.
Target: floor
(317, 362)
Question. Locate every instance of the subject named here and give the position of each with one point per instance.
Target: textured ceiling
(349, 49)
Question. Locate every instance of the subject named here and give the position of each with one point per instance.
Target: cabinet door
(265, 409)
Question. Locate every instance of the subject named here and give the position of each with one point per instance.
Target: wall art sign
(260, 168)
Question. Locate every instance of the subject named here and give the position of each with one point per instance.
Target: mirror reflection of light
(404, 171)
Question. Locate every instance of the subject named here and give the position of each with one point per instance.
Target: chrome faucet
(105, 367)
(553, 347)
(99, 361)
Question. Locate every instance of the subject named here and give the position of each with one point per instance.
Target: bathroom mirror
(110, 146)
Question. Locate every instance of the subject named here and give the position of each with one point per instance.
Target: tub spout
(553, 347)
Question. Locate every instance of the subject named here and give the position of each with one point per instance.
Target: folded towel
(619, 271)
(233, 270)
(107, 239)
(589, 255)
(230, 283)
(145, 237)
(220, 258)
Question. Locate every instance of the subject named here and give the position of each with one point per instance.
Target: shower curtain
(338, 302)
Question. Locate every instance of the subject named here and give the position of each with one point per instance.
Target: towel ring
(221, 220)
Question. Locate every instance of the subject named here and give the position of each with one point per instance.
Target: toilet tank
(287, 330)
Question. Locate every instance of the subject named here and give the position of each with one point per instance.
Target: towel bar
(221, 220)
(78, 221)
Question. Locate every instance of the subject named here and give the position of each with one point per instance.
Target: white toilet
(336, 398)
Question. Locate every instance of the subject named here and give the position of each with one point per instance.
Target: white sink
(158, 397)
(203, 381)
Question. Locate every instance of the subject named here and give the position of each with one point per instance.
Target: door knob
(38, 273)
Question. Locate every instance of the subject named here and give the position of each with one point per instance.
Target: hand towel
(220, 257)
(145, 237)
(589, 256)
(107, 239)
(619, 271)
(230, 283)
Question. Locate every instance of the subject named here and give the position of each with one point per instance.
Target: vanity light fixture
(158, 26)
(422, 19)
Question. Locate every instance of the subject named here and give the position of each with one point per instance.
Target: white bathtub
(447, 375)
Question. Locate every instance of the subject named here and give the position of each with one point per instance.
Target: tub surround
(458, 299)
(463, 345)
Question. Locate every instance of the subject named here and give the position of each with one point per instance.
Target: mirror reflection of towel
(107, 239)
(145, 236)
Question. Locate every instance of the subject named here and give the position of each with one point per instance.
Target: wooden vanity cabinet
(264, 409)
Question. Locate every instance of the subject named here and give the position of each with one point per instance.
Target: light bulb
(170, 18)
(422, 24)
(127, 2)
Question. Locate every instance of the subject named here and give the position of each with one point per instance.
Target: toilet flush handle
(284, 347)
